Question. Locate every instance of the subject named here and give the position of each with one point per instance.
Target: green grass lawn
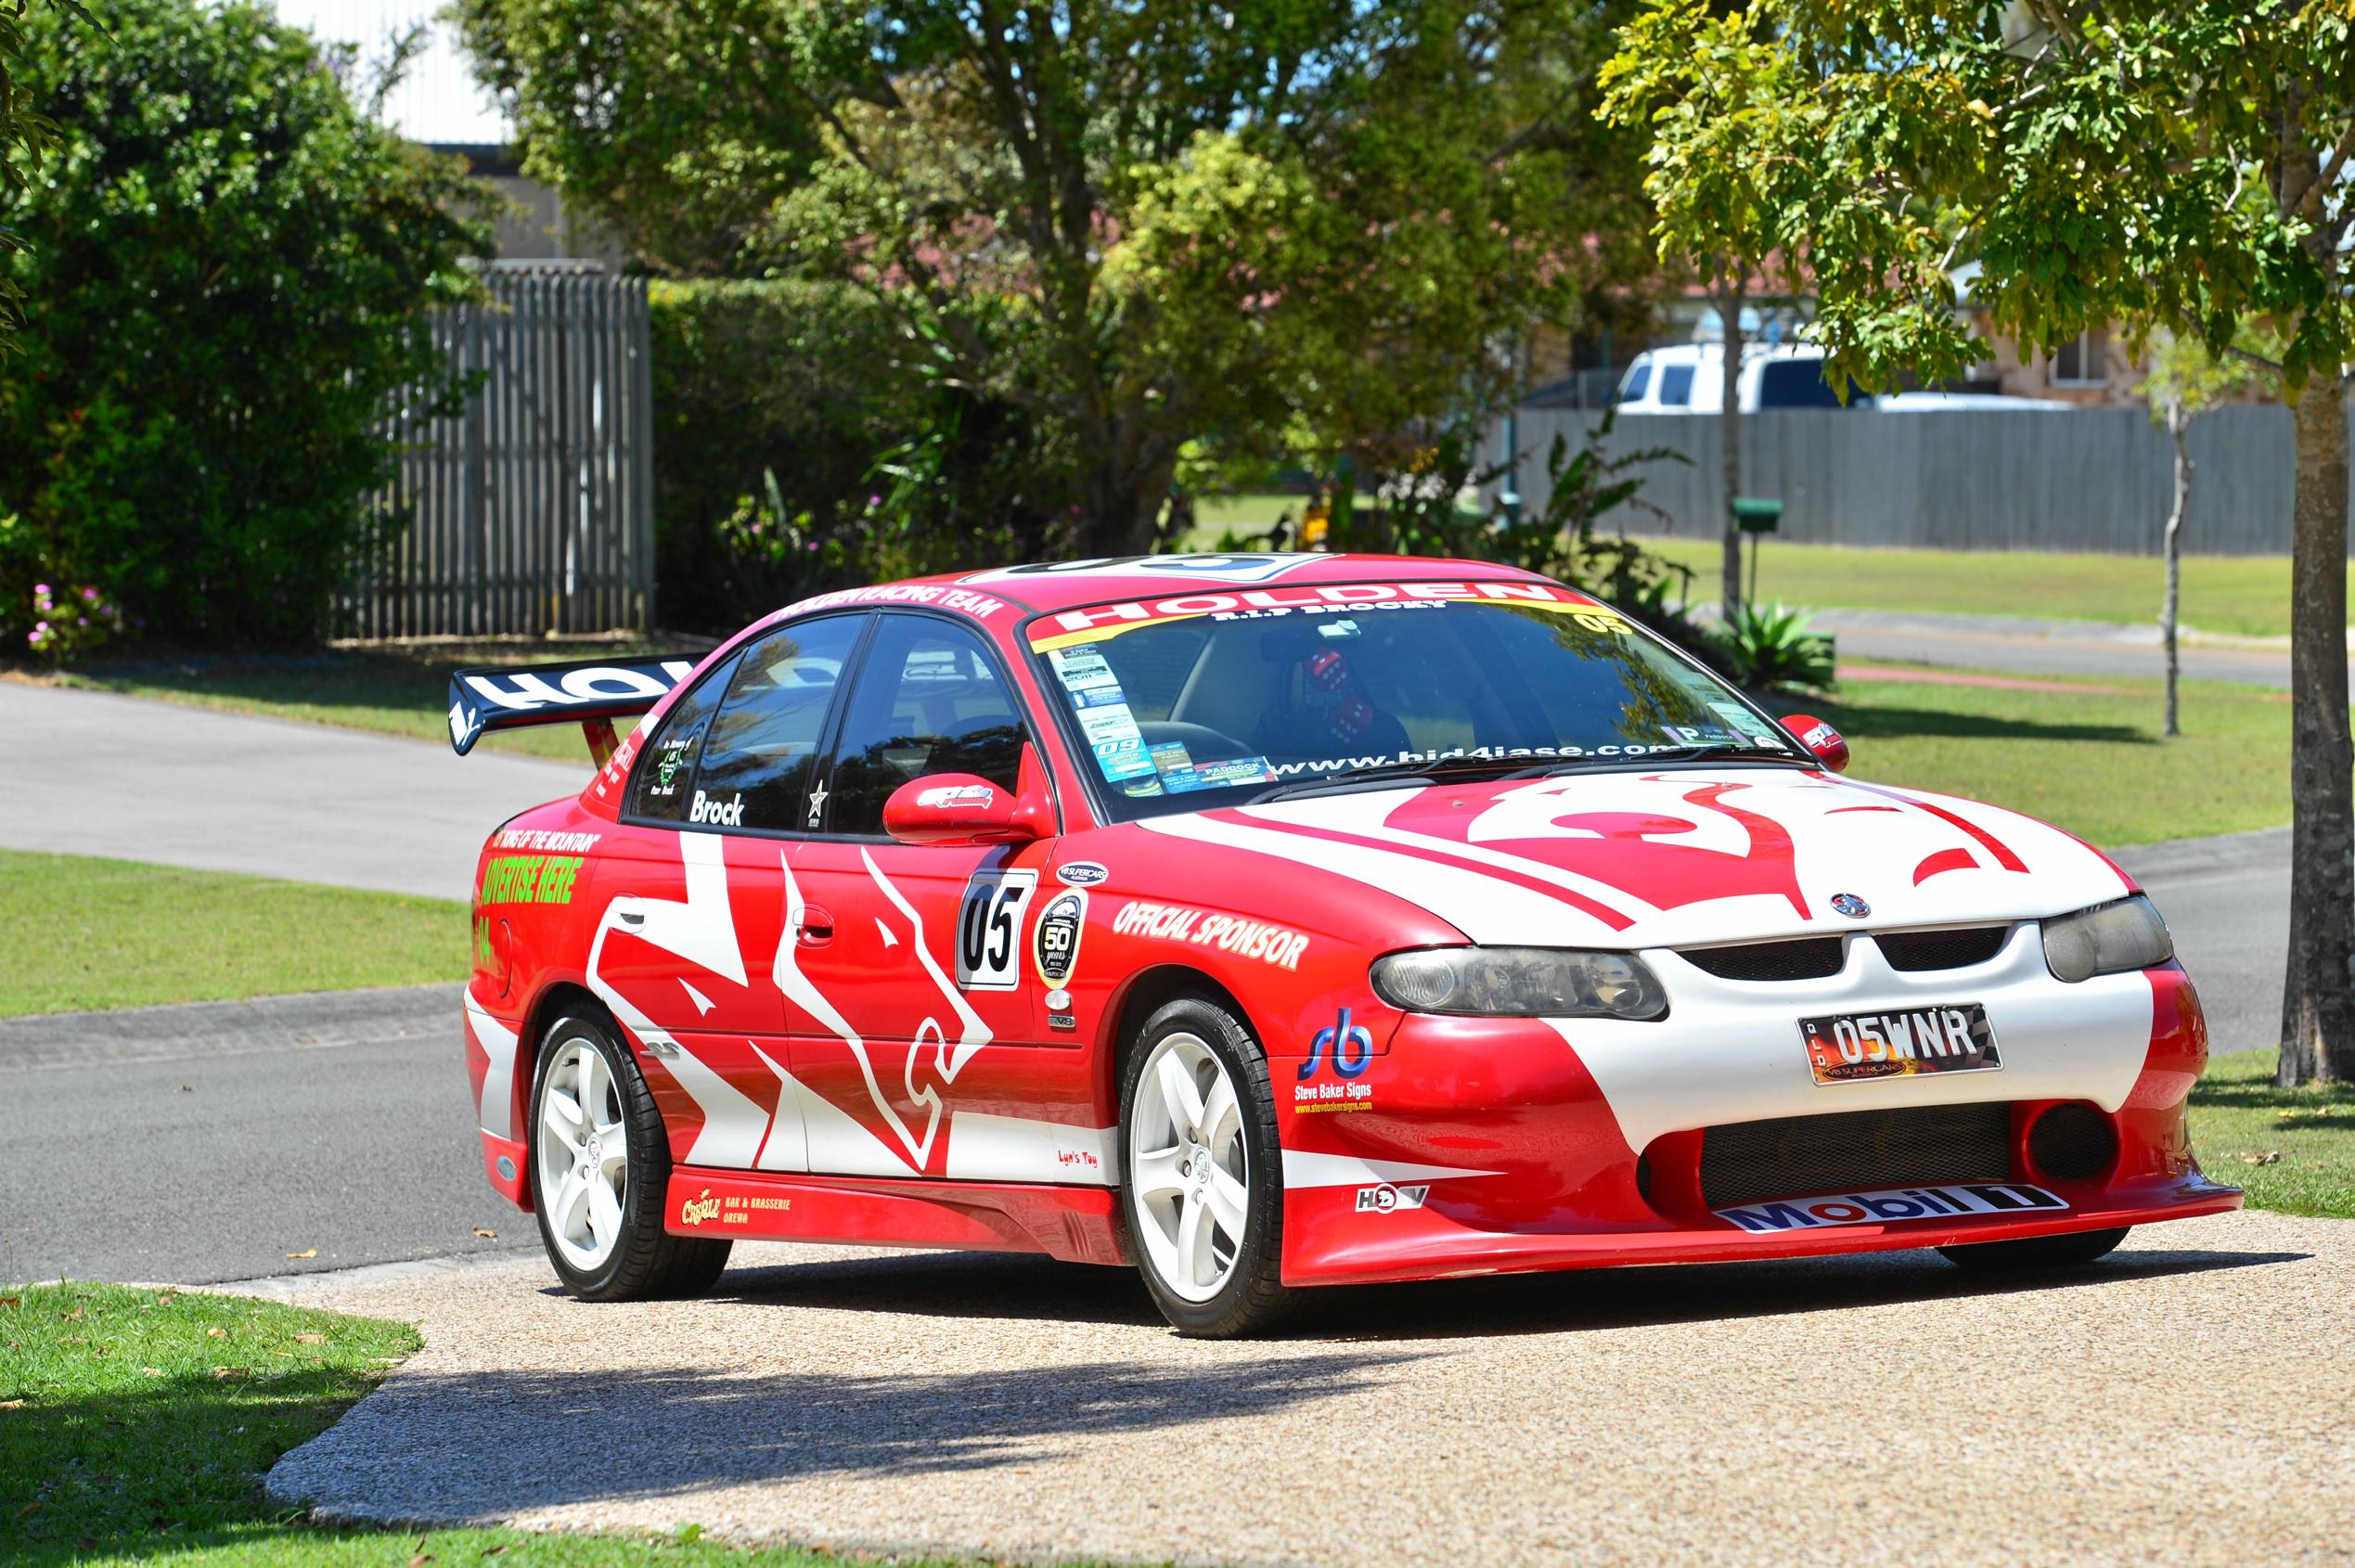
(2291, 1149)
(2241, 595)
(2091, 763)
(138, 1423)
(85, 933)
(397, 690)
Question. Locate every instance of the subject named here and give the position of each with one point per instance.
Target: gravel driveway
(2186, 1401)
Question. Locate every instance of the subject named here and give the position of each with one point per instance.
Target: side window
(763, 741)
(929, 700)
(663, 780)
(1676, 386)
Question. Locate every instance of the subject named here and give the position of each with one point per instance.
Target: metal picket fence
(532, 509)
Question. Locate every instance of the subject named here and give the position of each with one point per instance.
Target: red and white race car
(1280, 920)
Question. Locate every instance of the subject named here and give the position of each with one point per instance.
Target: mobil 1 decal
(1060, 925)
(989, 926)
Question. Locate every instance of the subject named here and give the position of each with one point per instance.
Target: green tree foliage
(1268, 225)
(793, 458)
(2166, 165)
(231, 261)
(23, 133)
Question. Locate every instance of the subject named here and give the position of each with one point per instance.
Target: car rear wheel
(1202, 1182)
(600, 1167)
(2037, 1251)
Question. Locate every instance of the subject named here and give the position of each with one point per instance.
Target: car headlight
(1519, 983)
(2106, 939)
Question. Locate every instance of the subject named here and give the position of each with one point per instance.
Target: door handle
(633, 917)
(817, 927)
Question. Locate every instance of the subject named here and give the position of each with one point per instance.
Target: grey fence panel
(2085, 480)
(530, 509)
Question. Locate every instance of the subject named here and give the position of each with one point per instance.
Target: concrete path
(91, 773)
(2181, 1403)
(2049, 648)
(208, 1142)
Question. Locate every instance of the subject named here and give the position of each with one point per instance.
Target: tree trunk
(2318, 1016)
(1123, 509)
(1730, 299)
(2179, 429)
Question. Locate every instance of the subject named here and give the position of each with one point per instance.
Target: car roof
(1051, 585)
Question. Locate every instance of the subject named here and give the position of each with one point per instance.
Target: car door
(693, 890)
(913, 990)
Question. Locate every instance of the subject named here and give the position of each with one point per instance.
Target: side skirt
(1075, 1224)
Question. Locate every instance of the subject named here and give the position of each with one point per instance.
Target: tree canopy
(231, 261)
(2169, 167)
(1263, 223)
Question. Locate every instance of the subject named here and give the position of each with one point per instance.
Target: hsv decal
(1386, 1199)
(1229, 933)
(989, 923)
(1894, 1203)
(955, 794)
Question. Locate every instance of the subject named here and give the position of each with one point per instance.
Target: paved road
(2179, 1402)
(96, 773)
(204, 1143)
(208, 1142)
(2044, 648)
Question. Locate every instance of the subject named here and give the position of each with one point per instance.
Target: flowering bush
(72, 624)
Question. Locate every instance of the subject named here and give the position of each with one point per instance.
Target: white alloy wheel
(1188, 1167)
(583, 1154)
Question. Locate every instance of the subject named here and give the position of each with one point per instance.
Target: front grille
(1808, 958)
(1953, 949)
(1857, 1151)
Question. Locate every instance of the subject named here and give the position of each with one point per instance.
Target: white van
(1689, 377)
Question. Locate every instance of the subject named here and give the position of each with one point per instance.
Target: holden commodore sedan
(1274, 922)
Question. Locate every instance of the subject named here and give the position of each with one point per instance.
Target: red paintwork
(870, 1126)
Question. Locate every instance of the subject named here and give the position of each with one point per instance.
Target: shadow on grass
(2325, 1105)
(177, 1459)
(1882, 723)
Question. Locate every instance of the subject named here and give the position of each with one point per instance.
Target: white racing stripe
(498, 1082)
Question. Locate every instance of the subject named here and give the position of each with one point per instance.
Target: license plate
(1907, 1042)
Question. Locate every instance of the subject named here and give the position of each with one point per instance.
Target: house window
(2084, 361)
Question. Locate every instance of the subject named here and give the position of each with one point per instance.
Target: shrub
(226, 262)
(794, 453)
(1769, 648)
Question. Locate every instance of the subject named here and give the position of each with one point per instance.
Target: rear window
(1794, 383)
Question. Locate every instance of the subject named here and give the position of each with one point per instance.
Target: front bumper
(1495, 1146)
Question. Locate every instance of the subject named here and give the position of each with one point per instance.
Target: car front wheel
(1202, 1177)
(600, 1168)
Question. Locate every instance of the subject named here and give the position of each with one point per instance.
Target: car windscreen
(1208, 700)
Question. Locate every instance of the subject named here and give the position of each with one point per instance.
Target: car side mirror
(959, 808)
(1821, 739)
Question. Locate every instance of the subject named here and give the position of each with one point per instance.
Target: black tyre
(2037, 1251)
(600, 1167)
(1202, 1175)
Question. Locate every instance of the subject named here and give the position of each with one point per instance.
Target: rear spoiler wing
(591, 692)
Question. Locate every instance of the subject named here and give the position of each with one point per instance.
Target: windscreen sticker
(1742, 719)
(1074, 628)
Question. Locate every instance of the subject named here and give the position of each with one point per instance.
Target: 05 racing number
(989, 926)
